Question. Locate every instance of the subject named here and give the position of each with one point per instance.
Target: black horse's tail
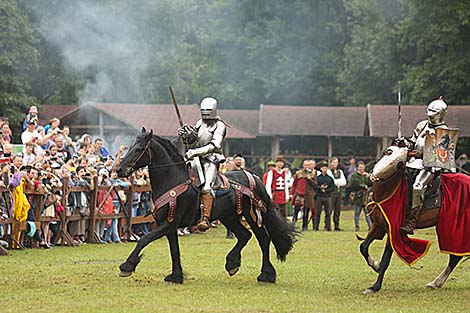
(282, 234)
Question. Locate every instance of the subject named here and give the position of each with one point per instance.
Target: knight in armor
(205, 141)
(436, 112)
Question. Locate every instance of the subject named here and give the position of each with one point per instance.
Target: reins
(141, 155)
(147, 149)
(166, 165)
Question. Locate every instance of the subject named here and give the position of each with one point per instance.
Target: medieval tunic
(21, 204)
(276, 186)
(304, 185)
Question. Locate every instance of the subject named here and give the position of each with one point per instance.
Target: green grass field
(324, 273)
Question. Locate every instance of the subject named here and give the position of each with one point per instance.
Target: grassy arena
(324, 273)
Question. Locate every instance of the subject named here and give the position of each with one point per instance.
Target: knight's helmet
(436, 111)
(208, 107)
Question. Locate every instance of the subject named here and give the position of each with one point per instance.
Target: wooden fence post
(67, 240)
(93, 237)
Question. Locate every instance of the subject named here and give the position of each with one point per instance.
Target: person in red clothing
(305, 182)
(269, 166)
(277, 188)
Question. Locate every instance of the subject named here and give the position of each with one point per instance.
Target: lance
(399, 110)
(180, 120)
(196, 162)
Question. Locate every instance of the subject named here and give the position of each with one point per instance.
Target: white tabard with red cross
(277, 186)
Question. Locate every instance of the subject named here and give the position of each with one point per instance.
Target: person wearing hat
(325, 186)
(269, 166)
(31, 134)
(238, 162)
(32, 114)
(277, 187)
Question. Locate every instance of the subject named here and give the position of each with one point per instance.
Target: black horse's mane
(170, 148)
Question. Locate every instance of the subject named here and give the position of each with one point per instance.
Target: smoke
(98, 41)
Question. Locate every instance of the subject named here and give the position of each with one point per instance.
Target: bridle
(149, 152)
(141, 154)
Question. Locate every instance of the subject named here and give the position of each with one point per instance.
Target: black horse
(168, 169)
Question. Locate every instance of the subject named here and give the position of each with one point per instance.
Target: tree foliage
(337, 52)
(18, 57)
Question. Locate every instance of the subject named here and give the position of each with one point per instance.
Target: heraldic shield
(439, 148)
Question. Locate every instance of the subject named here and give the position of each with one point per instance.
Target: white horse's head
(393, 159)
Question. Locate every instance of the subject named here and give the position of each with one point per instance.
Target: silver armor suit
(436, 112)
(205, 140)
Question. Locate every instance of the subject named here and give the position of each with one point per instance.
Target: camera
(308, 170)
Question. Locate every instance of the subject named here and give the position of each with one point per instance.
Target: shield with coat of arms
(439, 148)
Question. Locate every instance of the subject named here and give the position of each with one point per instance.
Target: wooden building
(294, 131)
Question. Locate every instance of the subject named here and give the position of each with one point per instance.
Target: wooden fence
(125, 218)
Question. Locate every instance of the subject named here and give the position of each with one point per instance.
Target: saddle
(223, 185)
(221, 182)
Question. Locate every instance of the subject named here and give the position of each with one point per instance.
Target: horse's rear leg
(440, 280)
(384, 263)
(176, 275)
(233, 259)
(268, 273)
(134, 258)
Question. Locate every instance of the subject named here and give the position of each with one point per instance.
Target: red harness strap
(256, 202)
(170, 198)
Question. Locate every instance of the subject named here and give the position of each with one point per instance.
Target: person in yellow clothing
(21, 204)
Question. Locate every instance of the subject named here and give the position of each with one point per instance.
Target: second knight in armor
(436, 112)
(205, 141)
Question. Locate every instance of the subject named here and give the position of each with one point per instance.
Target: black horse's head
(138, 155)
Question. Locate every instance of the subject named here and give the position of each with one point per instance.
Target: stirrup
(407, 229)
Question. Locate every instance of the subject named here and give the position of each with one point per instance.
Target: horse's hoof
(175, 279)
(432, 285)
(266, 279)
(125, 274)
(369, 291)
(233, 271)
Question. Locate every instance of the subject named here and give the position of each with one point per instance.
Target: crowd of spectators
(50, 158)
(312, 189)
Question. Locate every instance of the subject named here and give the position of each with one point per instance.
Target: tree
(372, 62)
(435, 37)
(18, 56)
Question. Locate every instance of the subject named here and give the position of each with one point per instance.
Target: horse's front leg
(384, 263)
(364, 248)
(176, 275)
(440, 280)
(233, 259)
(134, 258)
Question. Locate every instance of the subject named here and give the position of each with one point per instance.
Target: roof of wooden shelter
(312, 120)
(383, 119)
